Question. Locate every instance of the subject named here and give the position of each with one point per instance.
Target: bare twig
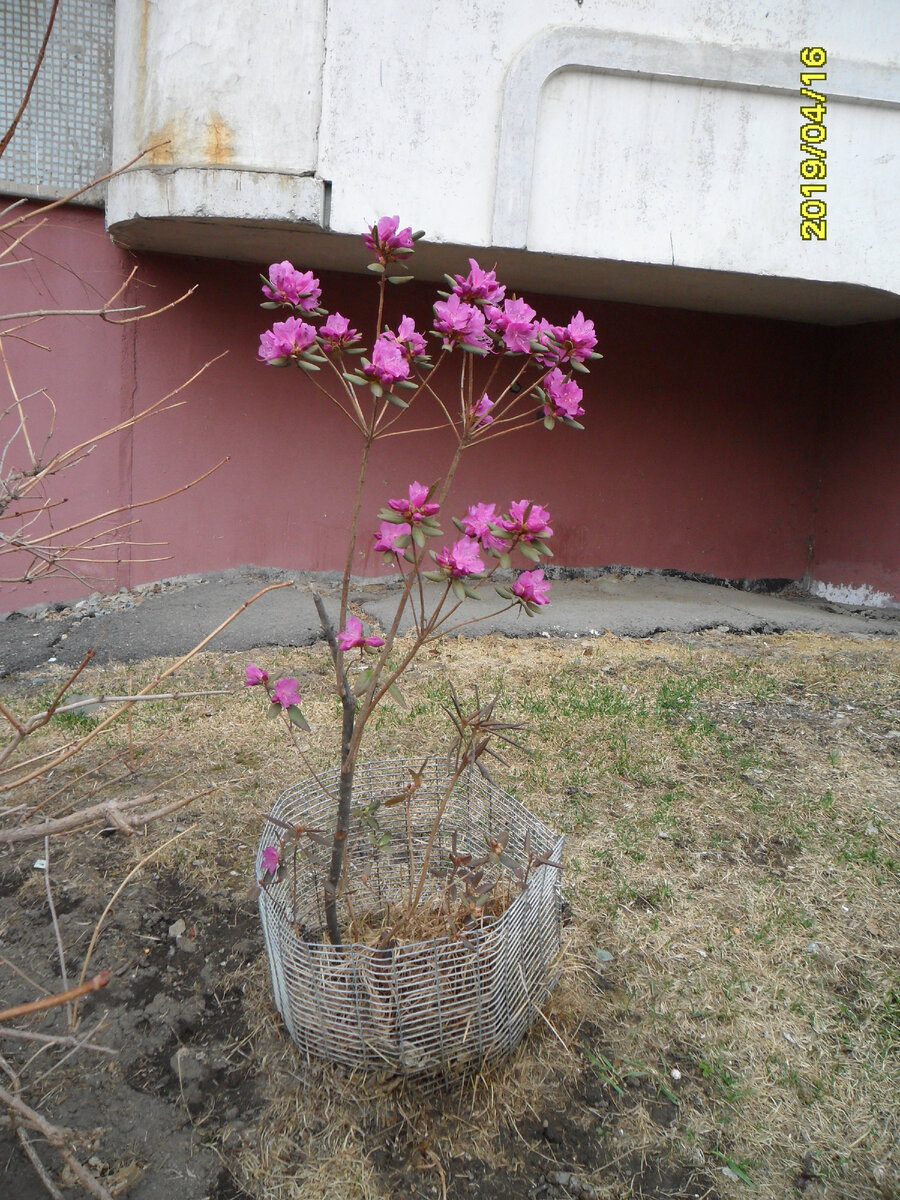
(80, 743)
(7, 137)
(91, 985)
(59, 946)
(27, 1035)
(114, 897)
(111, 810)
(57, 1136)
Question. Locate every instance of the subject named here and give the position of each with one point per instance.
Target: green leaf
(433, 576)
(400, 278)
(274, 710)
(572, 423)
(409, 384)
(396, 694)
(594, 354)
(549, 422)
(376, 267)
(528, 551)
(471, 592)
(503, 591)
(396, 401)
(358, 380)
(418, 536)
(296, 717)
(458, 589)
(362, 681)
(307, 366)
(470, 349)
(269, 303)
(449, 279)
(505, 561)
(418, 235)
(278, 362)
(376, 389)
(579, 366)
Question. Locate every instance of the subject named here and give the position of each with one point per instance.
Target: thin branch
(57, 1136)
(7, 137)
(45, 208)
(114, 897)
(64, 976)
(92, 985)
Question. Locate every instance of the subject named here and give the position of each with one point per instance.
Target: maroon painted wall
(702, 451)
(857, 522)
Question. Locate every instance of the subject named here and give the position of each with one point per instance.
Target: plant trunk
(345, 799)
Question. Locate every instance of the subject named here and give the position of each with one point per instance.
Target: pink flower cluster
(387, 241)
(566, 343)
(460, 323)
(416, 506)
(286, 692)
(484, 530)
(527, 521)
(287, 285)
(532, 587)
(336, 333)
(461, 559)
(286, 339)
(563, 396)
(393, 353)
(478, 287)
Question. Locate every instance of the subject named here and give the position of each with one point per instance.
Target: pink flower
(409, 338)
(563, 396)
(352, 635)
(384, 239)
(482, 411)
(462, 559)
(286, 692)
(285, 339)
(417, 506)
(573, 341)
(477, 524)
(254, 675)
(459, 322)
(516, 324)
(336, 332)
(387, 535)
(479, 285)
(389, 363)
(554, 351)
(532, 587)
(288, 286)
(527, 521)
(270, 860)
(580, 338)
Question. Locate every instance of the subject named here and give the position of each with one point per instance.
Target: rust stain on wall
(163, 141)
(219, 137)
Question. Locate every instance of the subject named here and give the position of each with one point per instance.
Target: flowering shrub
(514, 369)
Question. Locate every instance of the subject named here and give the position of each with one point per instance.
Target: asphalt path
(170, 617)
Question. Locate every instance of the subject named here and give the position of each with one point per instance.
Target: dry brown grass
(733, 853)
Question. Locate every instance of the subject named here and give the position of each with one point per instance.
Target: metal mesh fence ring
(437, 1007)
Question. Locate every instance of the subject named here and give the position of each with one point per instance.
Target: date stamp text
(813, 169)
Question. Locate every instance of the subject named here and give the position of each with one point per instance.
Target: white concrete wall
(659, 133)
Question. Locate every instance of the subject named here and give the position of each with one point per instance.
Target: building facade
(657, 165)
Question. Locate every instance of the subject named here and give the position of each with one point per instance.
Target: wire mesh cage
(440, 1007)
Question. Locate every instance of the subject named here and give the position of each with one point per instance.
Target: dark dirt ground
(165, 1115)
